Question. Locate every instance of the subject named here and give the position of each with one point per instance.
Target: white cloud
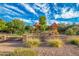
(70, 14)
(55, 6)
(40, 4)
(7, 16)
(45, 9)
(8, 11)
(67, 14)
(27, 20)
(15, 8)
(49, 22)
(37, 8)
(64, 10)
(77, 4)
(29, 8)
(42, 7)
(56, 16)
(66, 22)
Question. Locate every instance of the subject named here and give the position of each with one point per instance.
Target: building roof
(54, 25)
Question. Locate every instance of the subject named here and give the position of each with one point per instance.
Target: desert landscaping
(16, 39)
(43, 50)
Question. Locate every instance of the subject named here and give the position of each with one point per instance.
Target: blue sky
(30, 12)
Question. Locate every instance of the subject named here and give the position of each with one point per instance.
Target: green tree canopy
(16, 26)
(43, 24)
(2, 24)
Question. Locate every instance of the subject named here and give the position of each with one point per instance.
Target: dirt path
(10, 45)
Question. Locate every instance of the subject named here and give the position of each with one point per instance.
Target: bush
(55, 42)
(70, 31)
(74, 41)
(24, 52)
(77, 32)
(32, 42)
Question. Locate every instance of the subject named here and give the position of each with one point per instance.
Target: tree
(16, 26)
(43, 24)
(2, 25)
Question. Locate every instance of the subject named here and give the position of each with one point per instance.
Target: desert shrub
(70, 31)
(74, 41)
(55, 42)
(32, 42)
(24, 52)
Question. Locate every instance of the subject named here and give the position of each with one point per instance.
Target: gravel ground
(67, 50)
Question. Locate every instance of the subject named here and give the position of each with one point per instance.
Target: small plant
(24, 52)
(32, 42)
(55, 42)
(74, 41)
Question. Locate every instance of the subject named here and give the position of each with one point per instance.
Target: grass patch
(74, 41)
(55, 42)
(24, 52)
(32, 42)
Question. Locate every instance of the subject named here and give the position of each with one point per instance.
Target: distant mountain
(30, 12)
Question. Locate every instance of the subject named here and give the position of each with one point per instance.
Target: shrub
(77, 32)
(74, 41)
(70, 31)
(32, 42)
(24, 52)
(55, 42)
